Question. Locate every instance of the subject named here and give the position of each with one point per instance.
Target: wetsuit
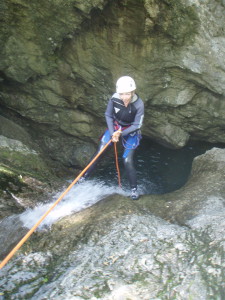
(129, 119)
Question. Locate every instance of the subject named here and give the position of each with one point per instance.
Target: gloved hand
(116, 135)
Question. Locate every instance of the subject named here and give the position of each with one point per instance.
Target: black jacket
(131, 116)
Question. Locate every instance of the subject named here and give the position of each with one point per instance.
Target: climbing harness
(132, 141)
(28, 234)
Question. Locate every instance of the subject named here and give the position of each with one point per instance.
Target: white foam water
(78, 198)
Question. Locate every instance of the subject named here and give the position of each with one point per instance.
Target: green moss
(178, 22)
(101, 290)
(10, 180)
(17, 166)
(141, 278)
(29, 164)
(36, 31)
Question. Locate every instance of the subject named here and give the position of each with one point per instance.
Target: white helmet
(125, 84)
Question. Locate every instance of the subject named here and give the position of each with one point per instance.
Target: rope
(23, 240)
(117, 164)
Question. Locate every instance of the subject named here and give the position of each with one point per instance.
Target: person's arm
(138, 120)
(109, 116)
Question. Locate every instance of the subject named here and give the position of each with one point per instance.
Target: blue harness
(129, 142)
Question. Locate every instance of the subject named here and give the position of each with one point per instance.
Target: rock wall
(59, 62)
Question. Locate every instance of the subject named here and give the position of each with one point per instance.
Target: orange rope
(117, 164)
(23, 240)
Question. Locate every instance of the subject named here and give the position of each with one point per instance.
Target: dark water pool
(159, 169)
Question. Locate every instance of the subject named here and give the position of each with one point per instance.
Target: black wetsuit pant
(128, 164)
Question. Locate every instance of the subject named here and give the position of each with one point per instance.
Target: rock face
(160, 247)
(24, 174)
(59, 62)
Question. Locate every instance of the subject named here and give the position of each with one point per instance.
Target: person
(124, 117)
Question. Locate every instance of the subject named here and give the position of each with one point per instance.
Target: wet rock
(206, 182)
(18, 192)
(140, 256)
(162, 246)
(24, 176)
(11, 232)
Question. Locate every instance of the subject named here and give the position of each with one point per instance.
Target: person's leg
(104, 140)
(128, 161)
(130, 143)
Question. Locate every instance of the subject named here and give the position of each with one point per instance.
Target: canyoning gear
(128, 155)
(129, 121)
(116, 135)
(117, 127)
(131, 141)
(125, 84)
(134, 194)
(124, 122)
(130, 116)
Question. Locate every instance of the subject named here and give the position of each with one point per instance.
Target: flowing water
(78, 198)
(159, 169)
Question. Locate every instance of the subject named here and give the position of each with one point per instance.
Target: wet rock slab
(161, 247)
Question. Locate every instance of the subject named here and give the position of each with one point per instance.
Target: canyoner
(124, 117)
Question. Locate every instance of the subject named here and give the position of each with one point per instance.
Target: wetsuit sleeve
(109, 116)
(138, 120)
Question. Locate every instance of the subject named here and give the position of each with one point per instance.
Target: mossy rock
(28, 164)
(10, 180)
(21, 190)
(23, 160)
(25, 178)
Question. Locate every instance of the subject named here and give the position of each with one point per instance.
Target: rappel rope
(117, 165)
(28, 234)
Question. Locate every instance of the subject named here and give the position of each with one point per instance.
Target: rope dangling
(117, 165)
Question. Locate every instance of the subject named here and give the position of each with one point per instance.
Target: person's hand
(116, 136)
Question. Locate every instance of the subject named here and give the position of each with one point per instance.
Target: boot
(134, 194)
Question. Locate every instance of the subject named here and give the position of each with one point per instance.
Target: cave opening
(160, 170)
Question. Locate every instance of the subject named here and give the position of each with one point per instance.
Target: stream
(160, 170)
